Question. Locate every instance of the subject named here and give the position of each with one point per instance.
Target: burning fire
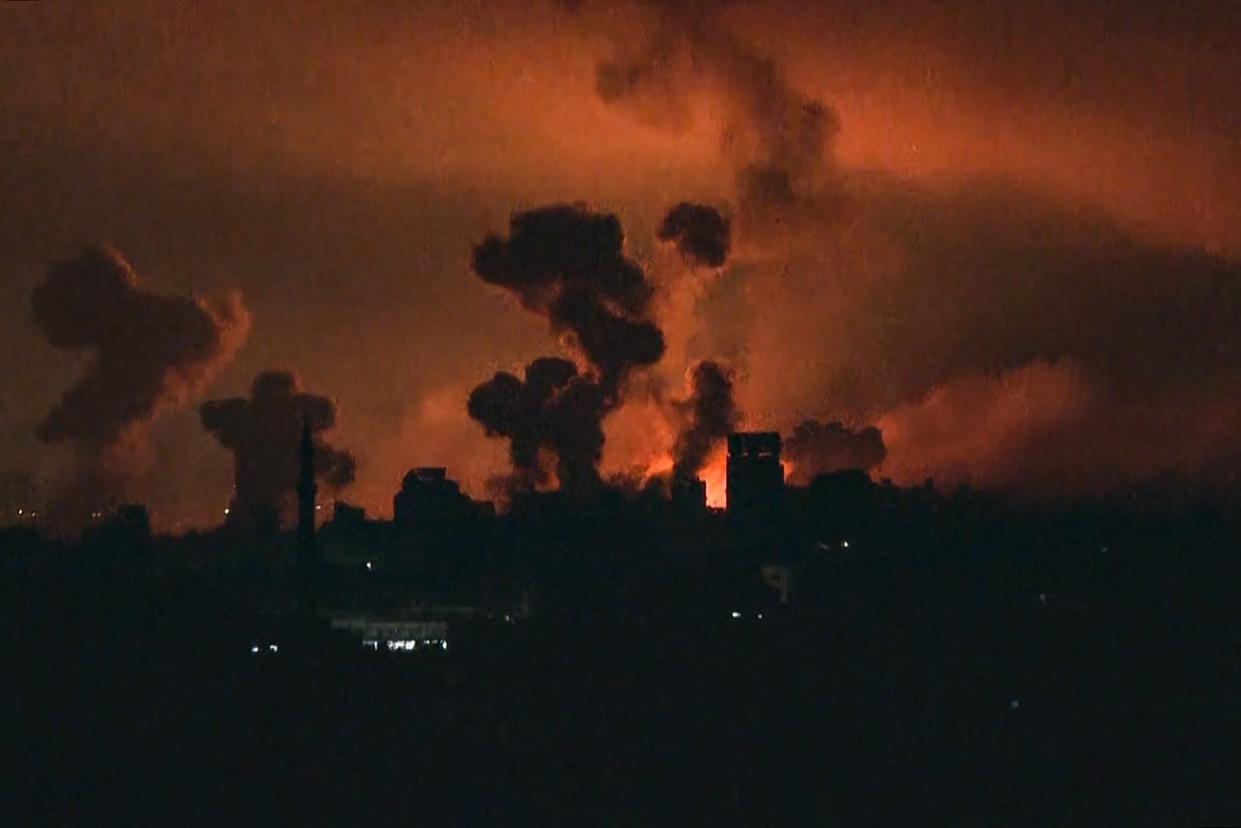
(715, 475)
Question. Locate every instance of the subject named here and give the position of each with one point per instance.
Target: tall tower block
(755, 475)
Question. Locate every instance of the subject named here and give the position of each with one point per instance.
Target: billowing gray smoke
(149, 353)
(700, 233)
(780, 140)
(263, 433)
(567, 264)
(710, 416)
(816, 448)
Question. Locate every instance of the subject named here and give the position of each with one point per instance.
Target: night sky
(1007, 235)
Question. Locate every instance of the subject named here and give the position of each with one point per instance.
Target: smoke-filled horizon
(1004, 238)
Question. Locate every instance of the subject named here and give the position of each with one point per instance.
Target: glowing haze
(1007, 237)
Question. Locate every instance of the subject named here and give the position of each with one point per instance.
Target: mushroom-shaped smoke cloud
(149, 353)
(567, 264)
(263, 433)
(554, 408)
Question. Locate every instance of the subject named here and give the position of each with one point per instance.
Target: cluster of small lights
(271, 648)
(407, 645)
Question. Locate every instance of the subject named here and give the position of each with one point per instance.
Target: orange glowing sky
(336, 163)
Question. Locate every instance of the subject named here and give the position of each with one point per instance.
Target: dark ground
(904, 698)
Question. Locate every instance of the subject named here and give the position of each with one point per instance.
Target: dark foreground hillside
(970, 698)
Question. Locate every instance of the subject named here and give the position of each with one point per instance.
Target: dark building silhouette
(349, 538)
(755, 476)
(689, 494)
(541, 507)
(127, 528)
(348, 516)
(428, 498)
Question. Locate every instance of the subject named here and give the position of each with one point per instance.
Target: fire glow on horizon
(897, 185)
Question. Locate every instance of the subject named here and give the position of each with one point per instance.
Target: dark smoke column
(703, 237)
(149, 354)
(554, 408)
(568, 265)
(710, 416)
(264, 434)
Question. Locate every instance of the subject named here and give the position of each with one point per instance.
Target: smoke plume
(699, 232)
(816, 448)
(554, 408)
(567, 264)
(148, 354)
(710, 415)
(264, 432)
(937, 291)
(779, 141)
